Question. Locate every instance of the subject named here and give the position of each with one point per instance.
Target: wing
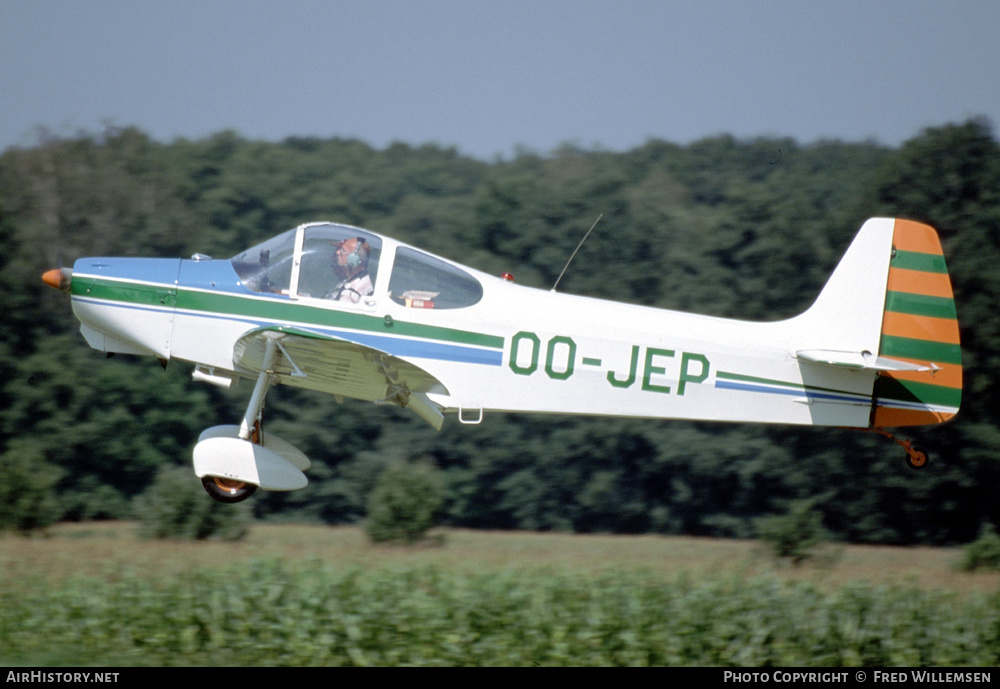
(316, 361)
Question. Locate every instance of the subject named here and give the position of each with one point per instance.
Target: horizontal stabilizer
(861, 360)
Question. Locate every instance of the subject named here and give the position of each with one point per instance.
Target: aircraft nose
(59, 278)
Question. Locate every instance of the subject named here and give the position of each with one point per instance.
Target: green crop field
(95, 594)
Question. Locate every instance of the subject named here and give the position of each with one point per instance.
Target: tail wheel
(227, 490)
(916, 457)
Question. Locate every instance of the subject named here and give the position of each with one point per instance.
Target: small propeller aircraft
(345, 311)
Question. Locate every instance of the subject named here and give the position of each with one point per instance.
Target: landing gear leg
(226, 488)
(252, 419)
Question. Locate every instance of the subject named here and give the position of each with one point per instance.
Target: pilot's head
(351, 256)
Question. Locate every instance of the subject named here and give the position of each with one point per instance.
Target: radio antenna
(573, 255)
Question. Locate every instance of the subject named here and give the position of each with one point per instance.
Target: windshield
(267, 267)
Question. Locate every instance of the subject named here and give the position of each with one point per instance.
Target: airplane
(346, 311)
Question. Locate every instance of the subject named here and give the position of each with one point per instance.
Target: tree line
(722, 226)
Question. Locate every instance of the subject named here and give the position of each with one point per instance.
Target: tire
(226, 490)
(917, 458)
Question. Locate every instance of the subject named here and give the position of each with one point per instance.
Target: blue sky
(488, 77)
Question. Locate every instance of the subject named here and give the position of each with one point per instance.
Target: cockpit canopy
(416, 280)
(268, 267)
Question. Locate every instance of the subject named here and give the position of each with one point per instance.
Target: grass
(103, 549)
(314, 595)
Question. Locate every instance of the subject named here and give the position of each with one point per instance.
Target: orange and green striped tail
(919, 325)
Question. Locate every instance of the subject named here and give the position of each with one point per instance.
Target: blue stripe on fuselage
(809, 394)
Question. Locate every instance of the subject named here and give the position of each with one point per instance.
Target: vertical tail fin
(888, 308)
(919, 326)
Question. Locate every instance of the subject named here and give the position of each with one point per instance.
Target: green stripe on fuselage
(743, 378)
(254, 307)
(726, 375)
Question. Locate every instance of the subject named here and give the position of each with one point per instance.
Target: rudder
(919, 326)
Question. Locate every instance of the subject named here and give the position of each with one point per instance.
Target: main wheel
(227, 490)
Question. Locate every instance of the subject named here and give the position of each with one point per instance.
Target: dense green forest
(747, 229)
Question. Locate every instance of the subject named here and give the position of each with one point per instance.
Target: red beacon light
(509, 277)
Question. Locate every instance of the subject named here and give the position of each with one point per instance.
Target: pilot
(350, 263)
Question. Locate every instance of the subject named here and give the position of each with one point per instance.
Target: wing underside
(316, 361)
